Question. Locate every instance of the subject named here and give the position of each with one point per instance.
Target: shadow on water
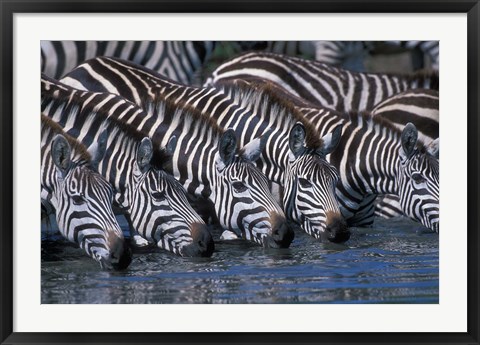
(394, 262)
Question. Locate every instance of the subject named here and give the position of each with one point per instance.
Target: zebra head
(310, 181)
(159, 209)
(418, 180)
(243, 201)
(83, 203)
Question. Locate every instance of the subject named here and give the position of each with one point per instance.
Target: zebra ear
(296, 139)
(98, 148)
(253, 149)
(172, 143)
(60, 151)
(227, 146)
(409, 139)
(330, 141)
(433, 148)
(144, 154)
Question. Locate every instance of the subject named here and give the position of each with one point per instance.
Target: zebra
(179, 60)
(419, 106)
(80, 198)
(216, 172)
(322, 84)
(154, 203)
(277, 160)
(375, 158)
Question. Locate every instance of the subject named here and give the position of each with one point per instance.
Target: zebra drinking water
(314, 207)
(80, 198)
(208, 160)
(152, 200)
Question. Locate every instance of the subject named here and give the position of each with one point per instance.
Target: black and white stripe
(80, 197)
(208, 160)
(178, 60)
(152, 200)
(322, 84)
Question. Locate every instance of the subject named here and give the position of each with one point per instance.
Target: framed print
(247, 172)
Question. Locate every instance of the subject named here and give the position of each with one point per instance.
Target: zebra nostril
(202, 240)
(282, 232)
(121, 259)
(338, 231)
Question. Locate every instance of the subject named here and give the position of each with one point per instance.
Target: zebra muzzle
(282, 233)
(120, 255)
(202, 245)
(337, 230)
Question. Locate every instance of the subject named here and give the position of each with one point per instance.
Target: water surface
(396, 261)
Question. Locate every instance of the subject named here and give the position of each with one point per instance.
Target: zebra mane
(80, 152)
(180, 110)
(247, 93)
(74, 104)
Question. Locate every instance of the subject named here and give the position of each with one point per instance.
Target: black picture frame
(10, 7)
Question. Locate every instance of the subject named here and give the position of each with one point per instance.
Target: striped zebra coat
(322, 84)
(313, 207)
(179, 60)
(80, 198)
(207, 160)
(152, 200)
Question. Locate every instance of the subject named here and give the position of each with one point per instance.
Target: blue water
(396, 261)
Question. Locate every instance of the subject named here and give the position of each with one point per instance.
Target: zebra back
(322, 84)
(420, 107)
(179, 60)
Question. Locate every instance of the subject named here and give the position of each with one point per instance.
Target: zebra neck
(193, 159)
(367, 156)
(194, 165)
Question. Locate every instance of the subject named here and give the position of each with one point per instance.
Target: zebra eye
(304, 183)
(418, 178)
(159, 196)
(78, 199)
(239, 187)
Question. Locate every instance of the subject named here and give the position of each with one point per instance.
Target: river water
(396, 261)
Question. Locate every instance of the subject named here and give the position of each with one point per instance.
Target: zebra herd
(268, 145)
